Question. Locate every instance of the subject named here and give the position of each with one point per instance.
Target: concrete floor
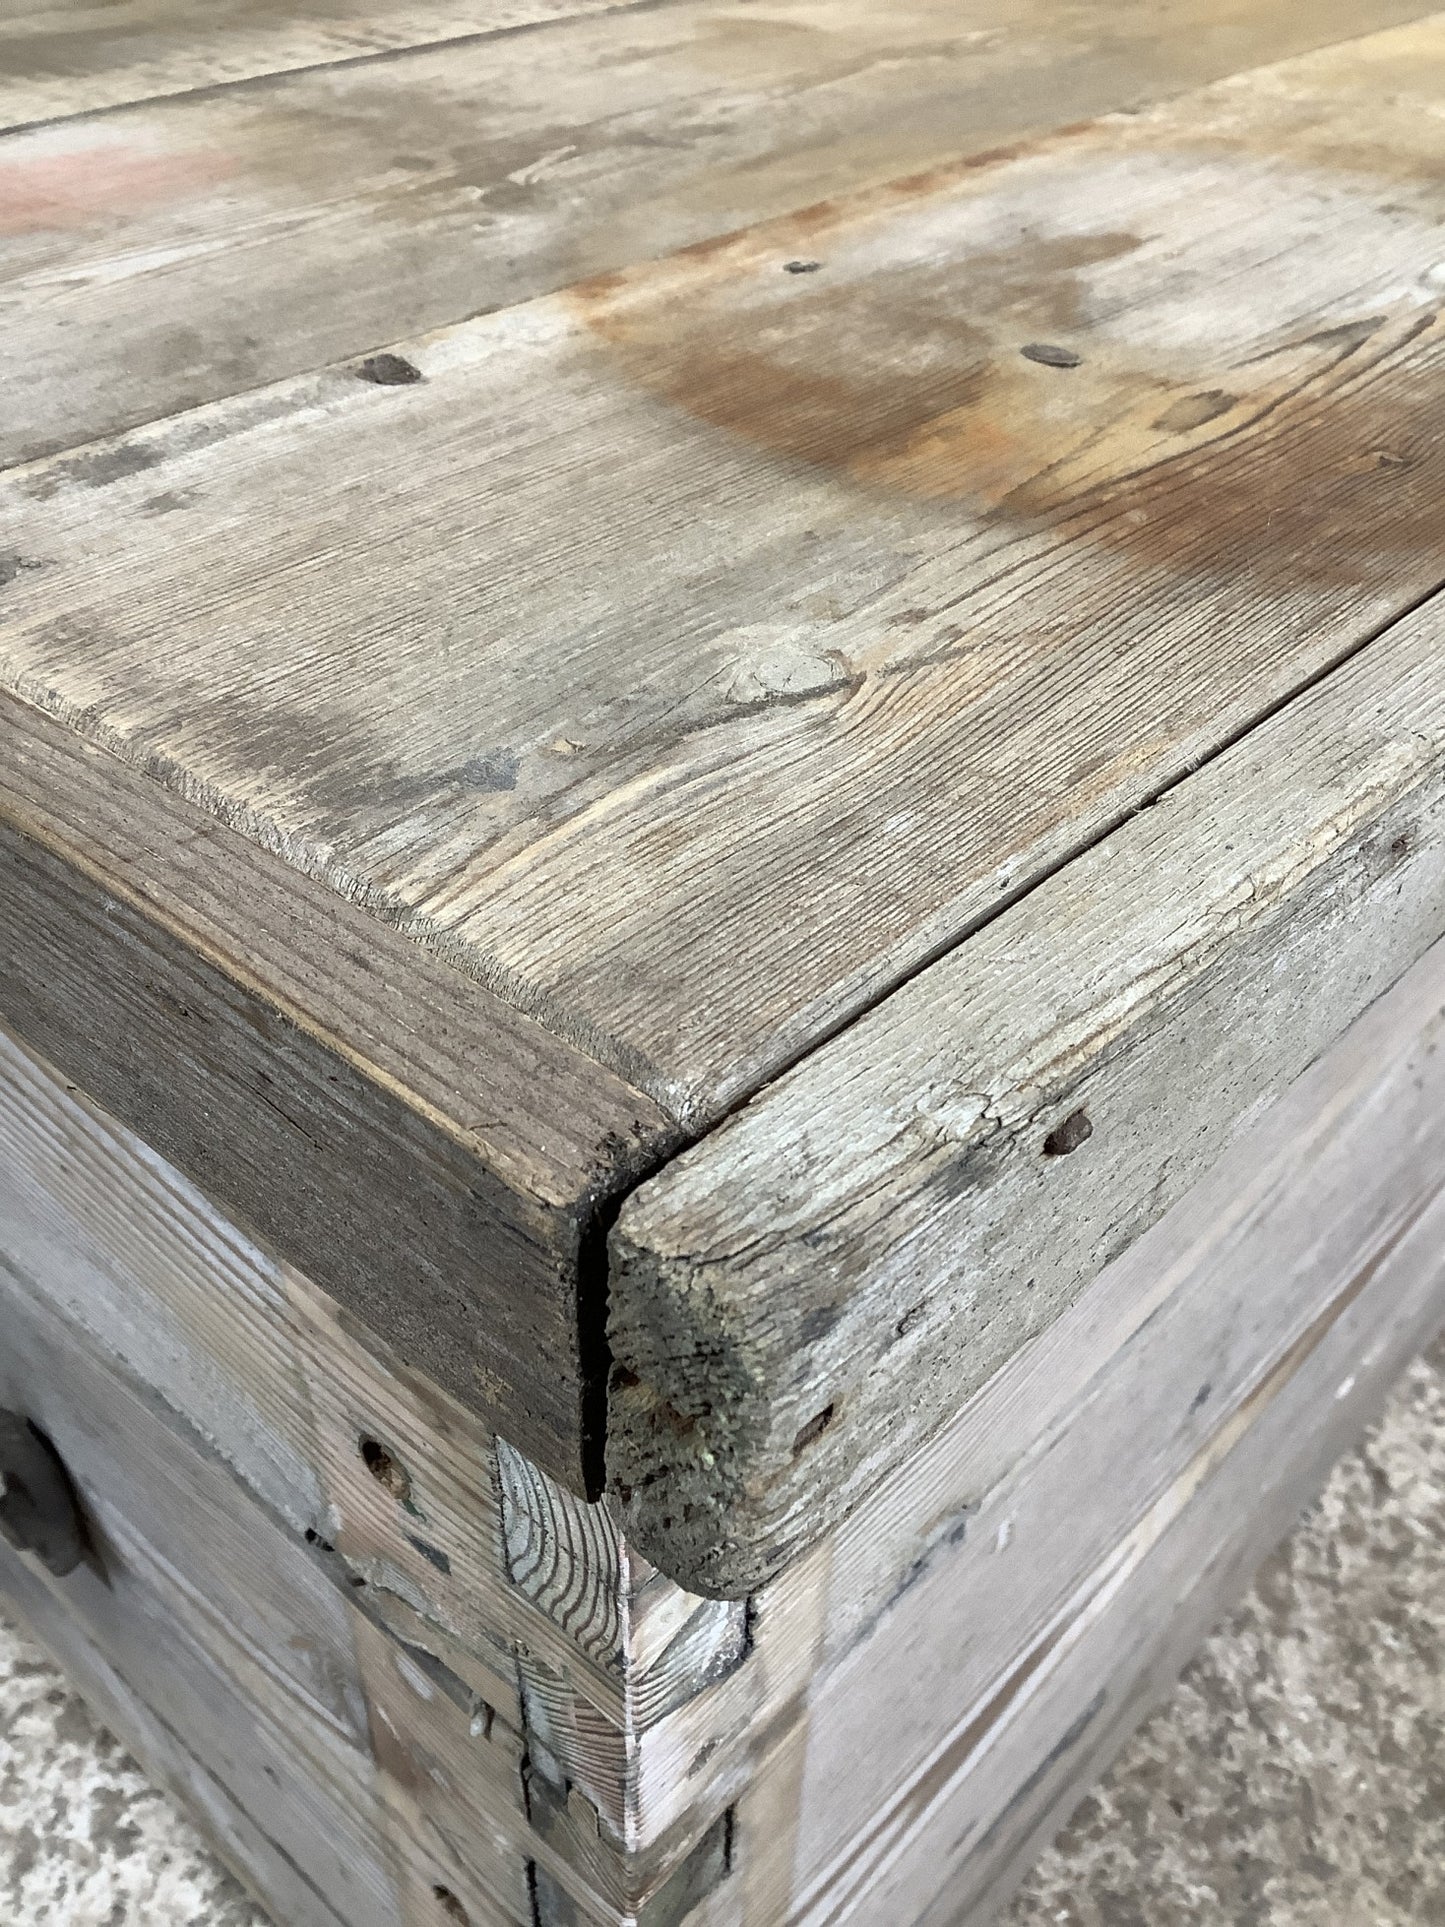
(1297, 1779)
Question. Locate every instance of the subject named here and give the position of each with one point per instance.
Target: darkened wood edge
(433, 1159)
(798, 1302)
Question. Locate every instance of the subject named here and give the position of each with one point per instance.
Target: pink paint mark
(93, 183)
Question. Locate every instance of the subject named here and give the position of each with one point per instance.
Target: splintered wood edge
(437, 1161)
(799, 1301)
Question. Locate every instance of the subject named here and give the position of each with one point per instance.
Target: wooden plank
(483, 1583)
(175, 253)
(255, 1860)
(132, 1254)
(246, 1647)
(208, 1612)
(693, 677)
(62, 57)
(419, 1148)
(1209, 1378)
(877, 1233)
(1227, 1286)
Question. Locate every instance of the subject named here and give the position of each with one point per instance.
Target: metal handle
(39, 1511)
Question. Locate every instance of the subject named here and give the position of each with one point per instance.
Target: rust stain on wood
(1024, 377)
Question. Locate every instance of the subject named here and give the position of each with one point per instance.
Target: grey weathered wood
(254, 1858)
(685, 662)
(176, 1295)
(927, 1684)
(1201, 1390)
(692, 674)
(64, 57)
(430, 1156)
(218, 1622)
(185, 249)
(484, 1584)
(878, 1232)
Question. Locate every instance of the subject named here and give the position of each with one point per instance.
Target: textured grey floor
(1296, 1780)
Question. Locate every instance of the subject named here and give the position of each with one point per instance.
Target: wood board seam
(601, 1209)
(206, 89)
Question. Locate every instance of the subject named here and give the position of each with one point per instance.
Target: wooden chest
(722, 879)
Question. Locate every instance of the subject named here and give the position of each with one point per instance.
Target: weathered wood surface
(281, 1887)
(65, 57)
(176, 253)
(801, 1299)
(1078, 1527)
(693, 675)
(919, 1694)
(490, 1597)
(432, 1157)
(219, 1624)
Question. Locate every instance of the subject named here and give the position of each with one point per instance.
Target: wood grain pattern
(494, 1604)
(1023, 1562)
(1108, 1495)
(169, 1289)
(422, 1150)
(290, 1697)
(281, 1887)
(64, 57)
(183, 250)
(691, 677)
(871, 1238)
(214, 1619)
(207, 1378)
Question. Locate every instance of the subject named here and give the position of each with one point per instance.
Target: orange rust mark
(1315, 466)
(932, 180)
(878, 376)
(45, 190)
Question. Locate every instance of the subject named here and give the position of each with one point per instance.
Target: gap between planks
(529, 16)
(1096, 833)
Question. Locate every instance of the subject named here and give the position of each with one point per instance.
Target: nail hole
(1050, 355)
(388, 371)
(909, 1319)
(814, 1429)
(801, 267)
(385, 1469)
(1075, 1130)
(447, 1901)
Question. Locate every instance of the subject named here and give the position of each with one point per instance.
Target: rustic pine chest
(722, 868)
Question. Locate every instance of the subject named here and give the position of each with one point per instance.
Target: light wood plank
(63, 57)
(414, 1144)
(181, 1299)
(692, 676)
(1210, 1378)
(879, 1231)
(170, 255)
